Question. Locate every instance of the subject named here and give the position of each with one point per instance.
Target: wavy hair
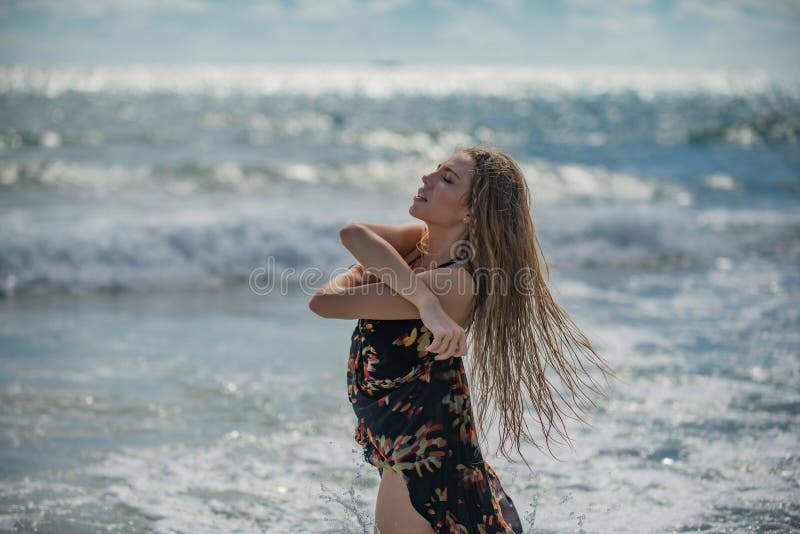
(518, 332)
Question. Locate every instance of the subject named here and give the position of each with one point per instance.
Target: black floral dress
(415, 417)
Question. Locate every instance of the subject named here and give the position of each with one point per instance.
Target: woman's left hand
(449, 338)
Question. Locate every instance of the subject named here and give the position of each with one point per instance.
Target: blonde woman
(419, 290)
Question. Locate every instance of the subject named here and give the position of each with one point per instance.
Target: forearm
(403, 237)
(381, 259)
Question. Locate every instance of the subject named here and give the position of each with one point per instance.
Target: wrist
(424, 300)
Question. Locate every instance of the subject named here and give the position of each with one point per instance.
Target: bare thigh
(393, 511)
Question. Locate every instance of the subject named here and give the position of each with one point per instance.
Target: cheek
(448, 204)
(453, 198)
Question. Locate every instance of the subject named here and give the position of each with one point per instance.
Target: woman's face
(444, 192)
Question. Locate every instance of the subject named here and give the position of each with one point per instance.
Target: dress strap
(445, 264)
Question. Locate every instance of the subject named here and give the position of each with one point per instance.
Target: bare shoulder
(455, 288)
(451, 278)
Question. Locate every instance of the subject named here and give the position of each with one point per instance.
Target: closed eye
(444, 176)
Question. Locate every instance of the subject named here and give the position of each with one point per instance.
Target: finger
(455, 346)
(461, 349)
(438, 342)
(445, 355)
(462, 345)
(437, 345)
(451, 348)
(432, 344)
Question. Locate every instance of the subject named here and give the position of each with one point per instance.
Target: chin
(412, 212)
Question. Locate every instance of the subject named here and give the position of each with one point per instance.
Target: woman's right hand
(449, 338)
(361, 275)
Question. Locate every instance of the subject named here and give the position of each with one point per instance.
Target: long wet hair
(518, 333)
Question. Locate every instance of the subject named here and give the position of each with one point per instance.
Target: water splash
(350, 501)
(530, 517)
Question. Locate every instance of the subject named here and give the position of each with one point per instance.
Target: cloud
(738, 10)
(735, 33)
(329, 9)
(387, 5)
(615, 18)
(315, 10)
(507, 5)
(99, 8)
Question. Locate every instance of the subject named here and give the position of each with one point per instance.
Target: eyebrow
(450, 170)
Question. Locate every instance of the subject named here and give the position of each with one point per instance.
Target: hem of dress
(370, 453)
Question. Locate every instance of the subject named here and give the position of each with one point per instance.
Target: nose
(425, 179)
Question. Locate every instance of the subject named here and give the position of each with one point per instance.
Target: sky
(735, 34)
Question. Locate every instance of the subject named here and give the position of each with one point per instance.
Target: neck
(440, 243)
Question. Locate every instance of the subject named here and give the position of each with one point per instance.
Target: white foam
(242, 481)
(550, 182)
(720, 181)
(383, 82)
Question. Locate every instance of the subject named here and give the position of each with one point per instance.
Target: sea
(150, 383)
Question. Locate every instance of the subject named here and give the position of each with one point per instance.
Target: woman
(472, 268)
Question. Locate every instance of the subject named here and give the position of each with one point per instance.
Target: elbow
(316, 306)
(349, 231)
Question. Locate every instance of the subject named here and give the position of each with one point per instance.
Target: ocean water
(146, 384)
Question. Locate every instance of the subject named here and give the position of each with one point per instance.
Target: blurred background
(155, 154)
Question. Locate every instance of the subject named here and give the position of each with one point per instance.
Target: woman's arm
(380, 258)
(402, 237)
(455, 289)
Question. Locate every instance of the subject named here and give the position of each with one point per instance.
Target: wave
(660, 237)
(549, 182)
(158, 244)
(385, 81)
(769, 129)
(159, 176)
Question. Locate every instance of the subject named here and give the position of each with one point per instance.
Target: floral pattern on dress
(414, 416)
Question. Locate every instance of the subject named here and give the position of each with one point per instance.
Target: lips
(420, 197)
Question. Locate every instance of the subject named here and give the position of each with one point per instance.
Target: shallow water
(222, 412)
(145, 386)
